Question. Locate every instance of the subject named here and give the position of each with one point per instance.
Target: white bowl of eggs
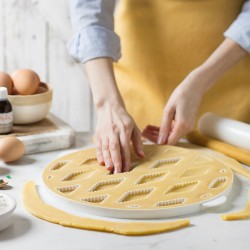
(30, 99)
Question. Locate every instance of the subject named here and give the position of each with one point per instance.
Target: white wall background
(33, 34)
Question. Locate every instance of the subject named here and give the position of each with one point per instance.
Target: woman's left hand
(180, 111)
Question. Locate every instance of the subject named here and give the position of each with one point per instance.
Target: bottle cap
(3, 93)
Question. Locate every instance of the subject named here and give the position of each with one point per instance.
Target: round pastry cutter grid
(170, 181)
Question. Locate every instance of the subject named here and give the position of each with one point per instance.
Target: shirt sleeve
(239, 31)
(93, 23)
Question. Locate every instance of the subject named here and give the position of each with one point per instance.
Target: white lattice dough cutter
(170, 181)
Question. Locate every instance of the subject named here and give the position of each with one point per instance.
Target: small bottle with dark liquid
(6, 113)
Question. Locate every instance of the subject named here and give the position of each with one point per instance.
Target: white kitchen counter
(207, 230)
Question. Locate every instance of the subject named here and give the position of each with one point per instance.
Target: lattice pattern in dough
(167, 177)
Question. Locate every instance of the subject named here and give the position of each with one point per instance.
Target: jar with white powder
(7, 206)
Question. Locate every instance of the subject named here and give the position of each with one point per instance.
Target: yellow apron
(162, 41)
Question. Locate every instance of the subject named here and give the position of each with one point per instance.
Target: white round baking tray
(80, 209)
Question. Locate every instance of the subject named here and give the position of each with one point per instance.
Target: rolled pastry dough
(243, 214)
(33, 203)
(241, 155)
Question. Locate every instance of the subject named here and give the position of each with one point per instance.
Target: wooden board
(60, 138)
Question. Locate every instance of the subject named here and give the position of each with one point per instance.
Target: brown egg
(41, 90)
(11, 149)
(25, 81)
(14, 92)
(6, 81)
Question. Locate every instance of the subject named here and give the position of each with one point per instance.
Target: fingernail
(142, 154)
(109, 168)
(161, 139)
(117, 169)
(108, 164)
(102, 163)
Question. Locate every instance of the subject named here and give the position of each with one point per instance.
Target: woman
(163, 42)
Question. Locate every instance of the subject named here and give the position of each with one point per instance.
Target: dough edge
(34, 204)
(241, 215)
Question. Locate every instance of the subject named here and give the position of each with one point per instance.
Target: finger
(137, 143)
(152, 131)
(99, 155)
(150, 136)
(151, 127)
(125, 151)
(106, 154)
(168, 116)
(177, 132)
(114, 148)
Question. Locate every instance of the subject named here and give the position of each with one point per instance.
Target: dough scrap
(239, 154)
(33, 203)
(243, 214)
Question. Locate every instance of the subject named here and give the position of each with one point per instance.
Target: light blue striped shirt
(93, 22)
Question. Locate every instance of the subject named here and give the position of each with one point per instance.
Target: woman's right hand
(114, 130)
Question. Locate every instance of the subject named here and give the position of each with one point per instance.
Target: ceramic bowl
(7, 206)
(31, 108)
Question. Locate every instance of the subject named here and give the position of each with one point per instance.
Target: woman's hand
(179, 113)
(114, 131)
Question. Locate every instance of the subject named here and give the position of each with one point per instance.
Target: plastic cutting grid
(167, 177)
